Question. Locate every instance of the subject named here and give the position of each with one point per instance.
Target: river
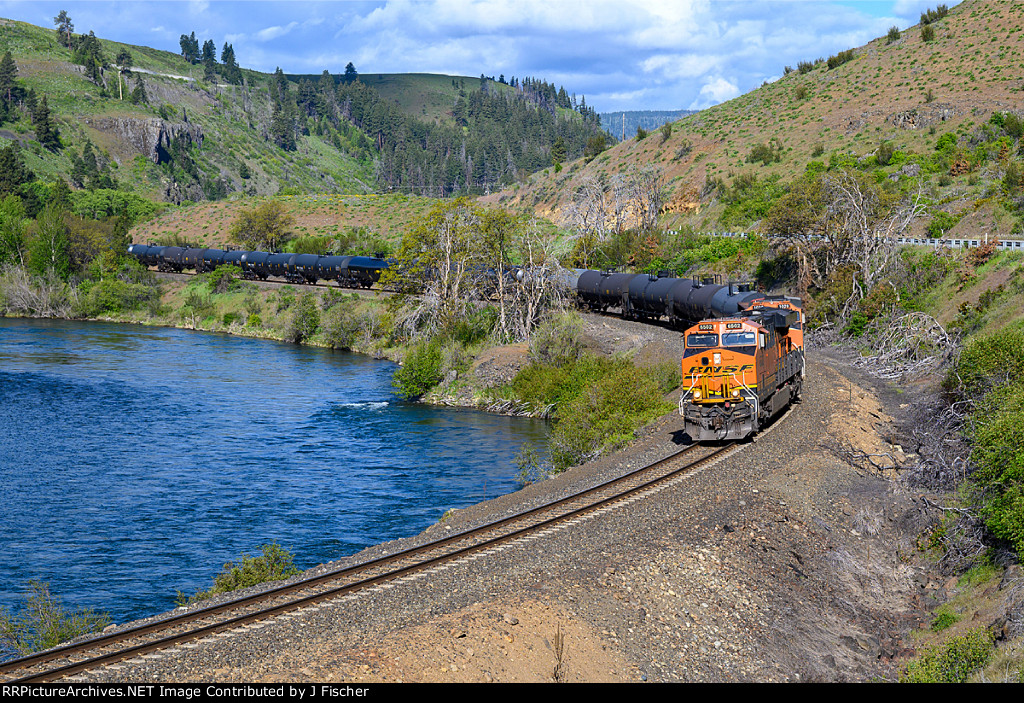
(136, 461)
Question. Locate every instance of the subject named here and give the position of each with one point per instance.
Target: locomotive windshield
(703, 341)
(739, 339)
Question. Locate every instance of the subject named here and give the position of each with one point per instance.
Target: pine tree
(8, 77)
(46, 132)
(189, 47)
(138, 95)
(64, 28)
(351, 75)
(232, 73)
(209, 59)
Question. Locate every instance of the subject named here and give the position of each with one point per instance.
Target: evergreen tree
(46, 132)
(13, 171)
(209, 59)
(232, 73)
(8, 77)
(90, 55)
(138, 95)
(351, 75)
(64, 28)
(189, 47)
(124, 62)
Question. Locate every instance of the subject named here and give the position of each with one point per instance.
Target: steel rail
(165, 624)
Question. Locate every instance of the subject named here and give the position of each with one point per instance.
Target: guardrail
(1004, 244)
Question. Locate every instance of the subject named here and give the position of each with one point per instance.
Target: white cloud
(275, 32)
(713, 92)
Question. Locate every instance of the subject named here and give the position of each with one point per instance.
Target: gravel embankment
(782, 563)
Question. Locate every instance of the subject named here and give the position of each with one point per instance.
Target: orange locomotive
(740, 371)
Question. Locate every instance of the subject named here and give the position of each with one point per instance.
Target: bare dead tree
(908, 346)
(586, 217)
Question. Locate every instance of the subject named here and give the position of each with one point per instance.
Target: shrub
(224, 278)
(305, 319)
(43, 622)
(884, 153)
(945, 617)
(112, 295)
(420, 371)
(935, 15)
(952, 661)
(840, 58)
(927, 33)
(893, 35)
(941, 223)
(558, 340)
(274, 565)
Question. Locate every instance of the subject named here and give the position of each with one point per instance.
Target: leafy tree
(43, 623)
(265, 227)
(50, 249)
(64, 28)
(12, 231)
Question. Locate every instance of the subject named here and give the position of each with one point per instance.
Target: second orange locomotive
(740, 371)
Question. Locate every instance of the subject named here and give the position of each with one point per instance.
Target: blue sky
(620, 54)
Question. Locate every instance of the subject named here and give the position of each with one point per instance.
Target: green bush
(420, 371)
(304, 321)
(952, 661)
(558, 340)
(274, 565)
(945, 617)
(43, 622)
(941, 223)
(596, 403)
(112, 295)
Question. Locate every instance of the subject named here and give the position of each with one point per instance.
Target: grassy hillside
(384, 217)
(232, 122)
(904, 92)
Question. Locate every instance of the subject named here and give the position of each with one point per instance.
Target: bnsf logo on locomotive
(699, 370)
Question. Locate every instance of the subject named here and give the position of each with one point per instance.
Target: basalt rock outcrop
(150, 137)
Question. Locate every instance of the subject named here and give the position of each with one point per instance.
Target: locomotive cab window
(738, 339)
(695, 343)
(703, 341)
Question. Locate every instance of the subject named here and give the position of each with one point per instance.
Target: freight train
(348, 271)
(744, 353)
(741, 371)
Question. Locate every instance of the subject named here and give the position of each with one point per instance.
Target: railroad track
(253, 611)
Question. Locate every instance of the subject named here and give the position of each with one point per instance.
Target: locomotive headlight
(735, 392)
(696, 395)
(718, 358)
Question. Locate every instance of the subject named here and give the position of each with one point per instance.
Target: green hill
(176, 130)
(890, 100)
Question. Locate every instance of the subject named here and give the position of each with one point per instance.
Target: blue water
(136, 461)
